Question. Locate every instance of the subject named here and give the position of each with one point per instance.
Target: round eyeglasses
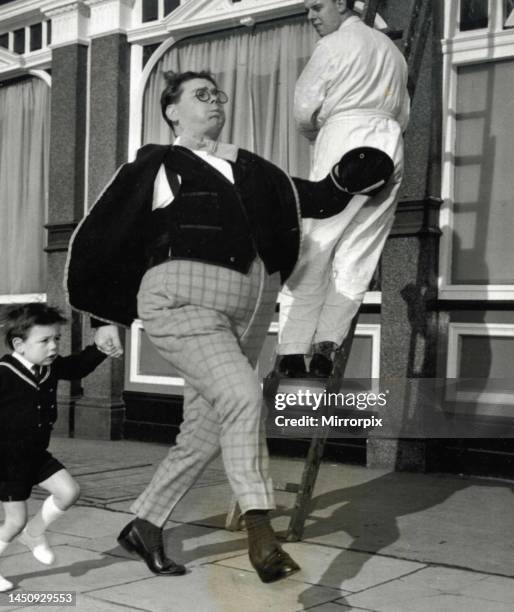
(204, 94)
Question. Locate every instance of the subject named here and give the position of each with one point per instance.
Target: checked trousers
(210, 323)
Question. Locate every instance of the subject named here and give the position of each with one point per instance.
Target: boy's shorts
(20, 472)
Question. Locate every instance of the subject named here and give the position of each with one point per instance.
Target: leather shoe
(292, 366)
(320, 366)
(277, 564)
(146, 542)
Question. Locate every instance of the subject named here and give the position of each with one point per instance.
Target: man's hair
(19, 320)
(173, 89)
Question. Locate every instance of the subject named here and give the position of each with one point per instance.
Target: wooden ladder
(414, 41)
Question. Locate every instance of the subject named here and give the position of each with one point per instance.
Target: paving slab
(213, 588)
(437, 588)
(89, 522)
(97, 455)
(493, 588)
(421, 517)
(469, 584)
(336, 607)
(84, 603)
(55, 539)
(345, 570)
(76, 570)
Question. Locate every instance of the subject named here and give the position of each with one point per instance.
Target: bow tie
(222, 150)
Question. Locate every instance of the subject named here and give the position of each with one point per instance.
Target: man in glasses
(195, 239)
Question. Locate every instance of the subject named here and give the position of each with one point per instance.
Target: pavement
(375, 540)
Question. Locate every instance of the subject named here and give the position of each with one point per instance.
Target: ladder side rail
(370, 11)
(415, 41)
(317, 446)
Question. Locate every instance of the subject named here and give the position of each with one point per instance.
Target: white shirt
(23, 361)
(162, 194)
(354, 70)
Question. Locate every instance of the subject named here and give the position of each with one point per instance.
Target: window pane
(150, 10)
(19, 41)
(49, 33)
(24, 149)
(486, 356)
(170, 5)
(483, 248)
(508, 13)
(36, 36)
(473, 14)
(148, 51)
(4, 40)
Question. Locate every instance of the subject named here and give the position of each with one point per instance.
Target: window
(473, 14)
(36, 36)
(477, 255)
(19, 40)
(150, 10)
(483, 251)
(170, 5)
(508, 14)
(24, 110)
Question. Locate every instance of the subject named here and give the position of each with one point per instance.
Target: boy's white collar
(23, 361)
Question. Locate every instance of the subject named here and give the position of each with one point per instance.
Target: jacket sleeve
(320, 199)
(361, 171)
(78, 365)
(107, 253)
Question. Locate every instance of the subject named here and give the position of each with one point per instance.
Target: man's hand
(107, 340)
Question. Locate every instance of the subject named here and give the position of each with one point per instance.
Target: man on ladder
(329, 18)
(352, 93)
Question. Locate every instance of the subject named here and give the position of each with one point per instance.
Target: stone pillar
(67, 169)
(100, 412)
(409, 317)
(409, 328)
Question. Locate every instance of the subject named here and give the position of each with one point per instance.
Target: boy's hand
(107, 340)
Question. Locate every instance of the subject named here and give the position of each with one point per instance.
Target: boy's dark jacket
(28, 408)
(261, 213)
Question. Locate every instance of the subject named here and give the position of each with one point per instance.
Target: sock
(261, 537)
(5, 585)
(47, 514)
(325, 348)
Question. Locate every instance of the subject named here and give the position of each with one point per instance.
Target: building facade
(79, 88)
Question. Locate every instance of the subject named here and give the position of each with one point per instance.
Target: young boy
(28, 386)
